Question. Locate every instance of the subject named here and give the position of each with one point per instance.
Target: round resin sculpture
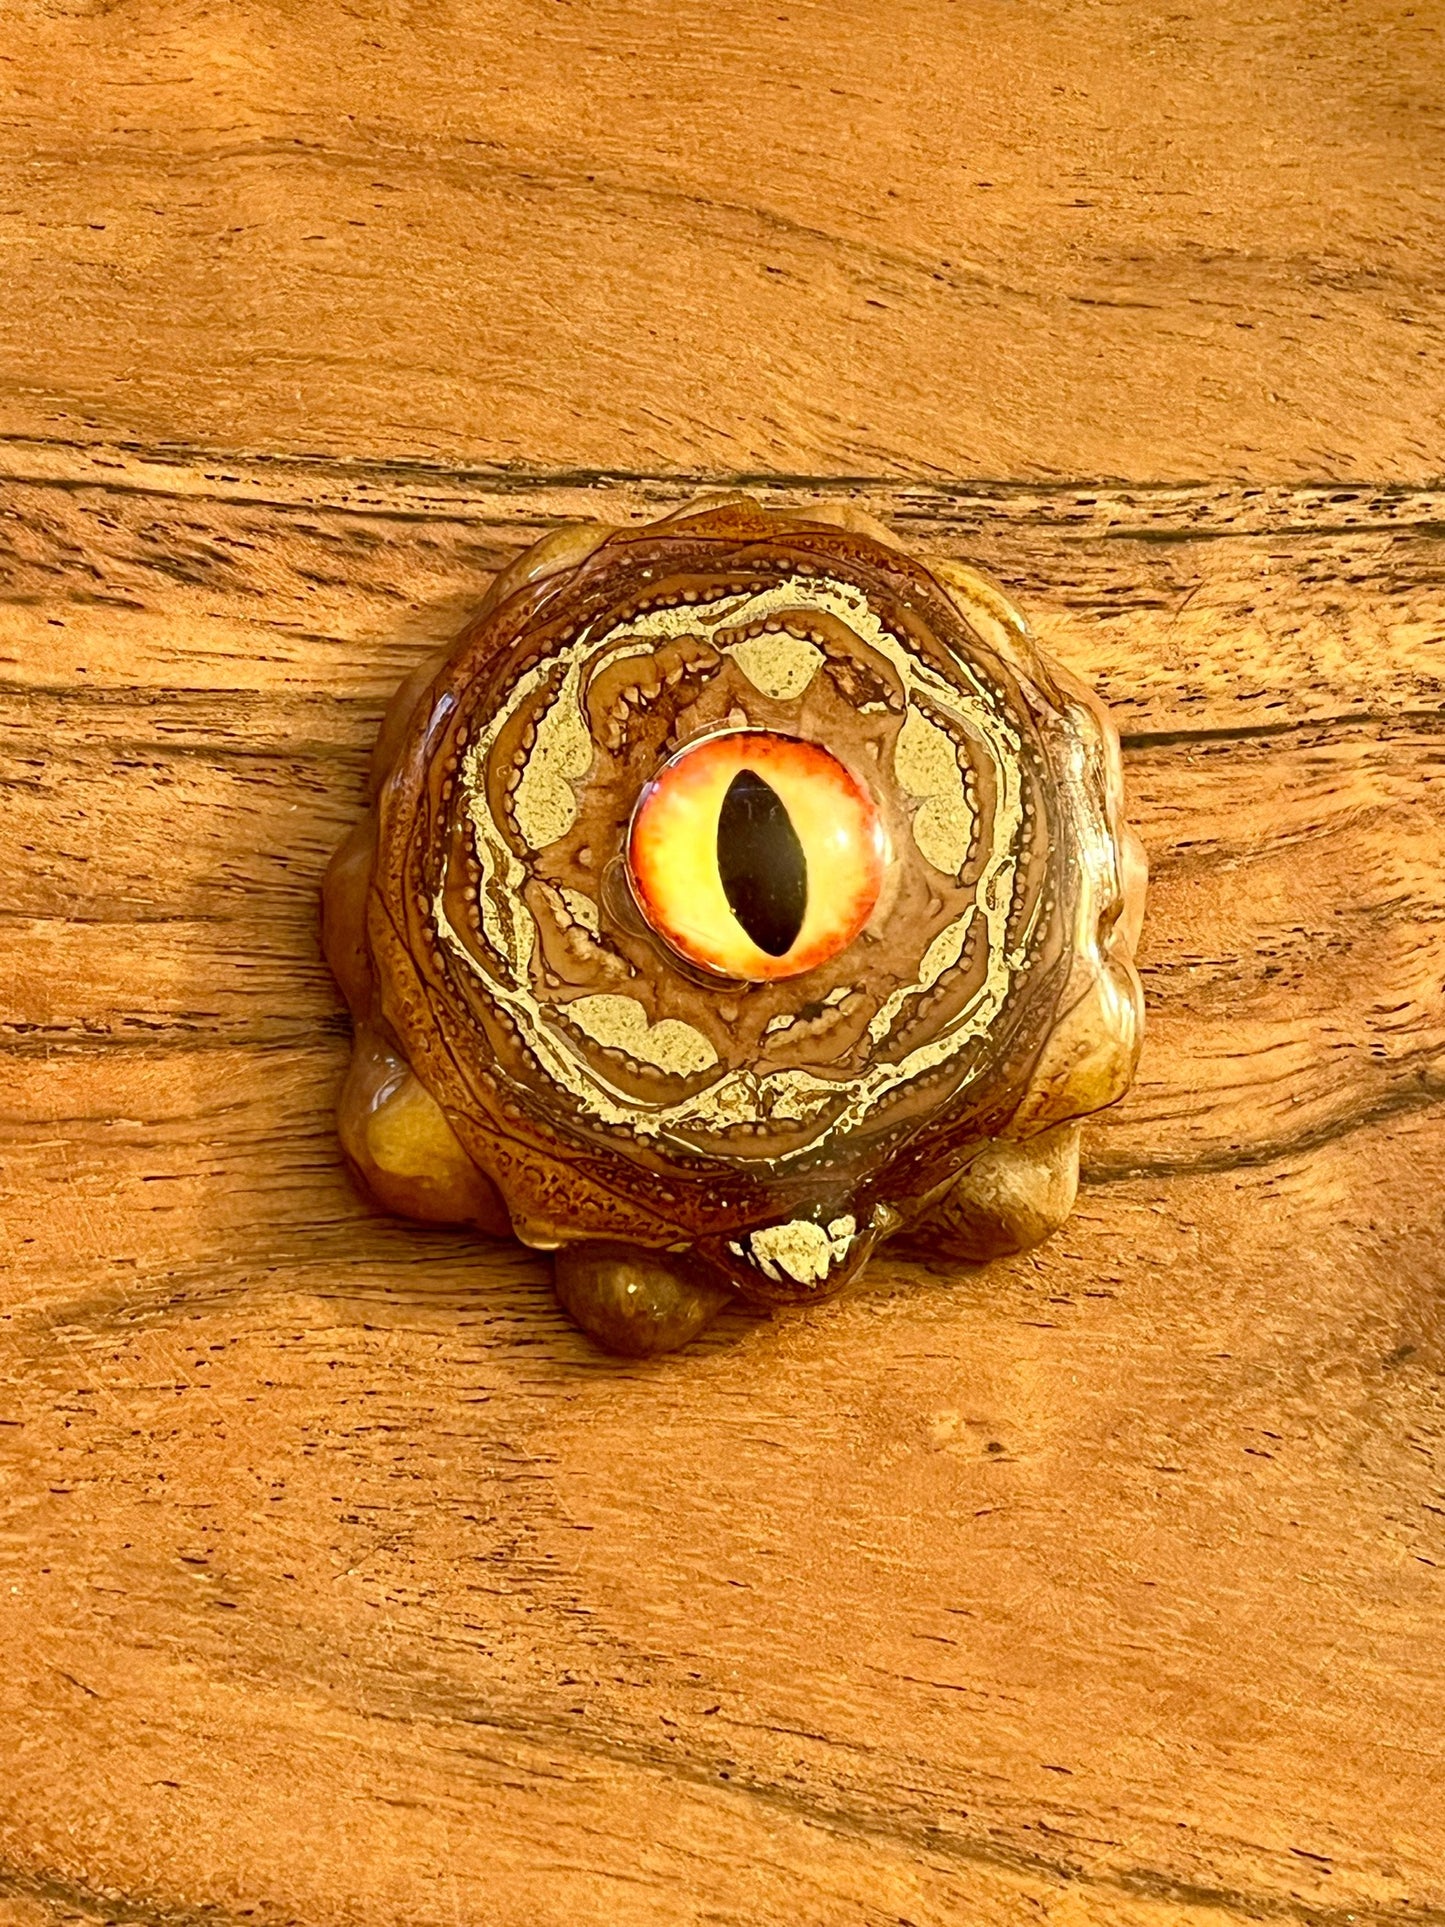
(738, 891)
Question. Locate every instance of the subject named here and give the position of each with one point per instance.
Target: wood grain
(343, 1582)
(1053, 238)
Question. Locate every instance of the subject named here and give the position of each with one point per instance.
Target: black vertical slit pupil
(761, 862)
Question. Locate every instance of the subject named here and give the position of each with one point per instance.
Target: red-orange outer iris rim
(759, 749)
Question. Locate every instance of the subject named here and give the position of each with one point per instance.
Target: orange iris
(755, 855)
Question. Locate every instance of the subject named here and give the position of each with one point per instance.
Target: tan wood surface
(949, 237)
(341, 1581)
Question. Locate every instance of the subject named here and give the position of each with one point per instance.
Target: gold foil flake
(942, 829)
(788, 1019)
(778, 665)
(942, 954)
(544, 807)
(582, 910)
(923, 757)
(801, 1250)
(732, 1101)
(926, 765)
(620, 1023)
(795, 1096)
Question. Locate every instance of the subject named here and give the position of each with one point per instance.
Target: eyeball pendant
(739, 890)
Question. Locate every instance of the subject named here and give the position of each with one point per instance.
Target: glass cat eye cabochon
(756, 855)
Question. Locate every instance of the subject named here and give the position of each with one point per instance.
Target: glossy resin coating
(737, 891)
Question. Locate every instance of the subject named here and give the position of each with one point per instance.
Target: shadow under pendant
(739, 890)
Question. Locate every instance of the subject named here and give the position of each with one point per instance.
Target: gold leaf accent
(926, 765)
(805, 1251)
(777, 664)
(545, 804)
(942, 954)
(620, 1023)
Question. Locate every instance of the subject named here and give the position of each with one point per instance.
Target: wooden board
(344, 1581)
(1003, 238)
(341, 1582)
